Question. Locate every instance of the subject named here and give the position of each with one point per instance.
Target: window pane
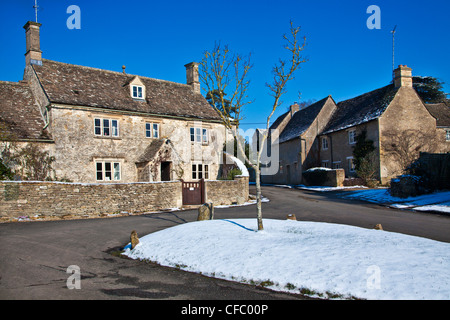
(192, 134)
(194, 171)
(205, 135)
(97, 127)
(206, 172)
(148, 132)
(106, 129)
(135, 94)
(139, 92)
(198, 135)
(115, 128)
(200, 171)
(108, 173)
(99, 166)
(155, 131)
(116, 171)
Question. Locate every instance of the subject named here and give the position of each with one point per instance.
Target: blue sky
(157, 38)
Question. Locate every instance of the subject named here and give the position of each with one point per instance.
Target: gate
(193, 192)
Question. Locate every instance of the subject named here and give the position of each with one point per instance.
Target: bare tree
(226, 74)
(403, 147)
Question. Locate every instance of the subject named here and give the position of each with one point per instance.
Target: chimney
(403, 77)
(294, 108)
(192, 77)
(34, 53)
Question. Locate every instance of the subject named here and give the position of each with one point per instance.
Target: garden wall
(59, 199)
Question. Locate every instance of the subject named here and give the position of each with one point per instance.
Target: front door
(165, 171)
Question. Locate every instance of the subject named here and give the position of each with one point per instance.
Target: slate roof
(362, 109)
(440, 111)
(301, 121)
(20, 117)
(84, 86)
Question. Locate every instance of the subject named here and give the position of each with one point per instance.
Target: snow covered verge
(437, 202)
(318, 259)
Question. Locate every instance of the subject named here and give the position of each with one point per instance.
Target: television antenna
(36, 8)
(393, 50)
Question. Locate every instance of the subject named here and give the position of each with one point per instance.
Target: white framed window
(200, 171)
(152, 130)
(352, 136)
(108, 171)
(106, 127)
(351, 164)
(447, 135)
(325, 164)
(199, 135)
(324, 143)
(137, 92)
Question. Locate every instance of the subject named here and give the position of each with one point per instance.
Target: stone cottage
(393, 117)
(106, 126)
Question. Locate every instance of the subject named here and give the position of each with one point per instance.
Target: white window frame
(324, 143)
(107, 128)
(199, 171)
(199, 135)
(111, 168)
(351, 164)
(139, 93)
(337, 165)
(150, 129)
(352, 136)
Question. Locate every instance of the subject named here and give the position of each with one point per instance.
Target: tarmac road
(35, 256)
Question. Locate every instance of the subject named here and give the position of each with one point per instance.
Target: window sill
(107, 138)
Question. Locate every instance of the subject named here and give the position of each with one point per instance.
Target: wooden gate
(193, 192)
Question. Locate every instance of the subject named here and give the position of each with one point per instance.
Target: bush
(315, 176)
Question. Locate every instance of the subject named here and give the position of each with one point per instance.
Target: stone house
(106, 126)
(393, 117)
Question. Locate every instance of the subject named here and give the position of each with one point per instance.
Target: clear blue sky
(156, 39)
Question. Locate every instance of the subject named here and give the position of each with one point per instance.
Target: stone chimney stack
(192, 77)
(403, 77)
(33, 54)
(294, 108)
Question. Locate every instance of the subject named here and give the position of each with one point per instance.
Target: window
(107, 171)
(351, 164)
(337, 165)
(352, 137)
(138, 92)
(324, 144)
(199, 135)
(106, 127)
(151, 130)
(200, 171)
(325, 164)
(447, 135)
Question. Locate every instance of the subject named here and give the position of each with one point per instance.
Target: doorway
(165, 171)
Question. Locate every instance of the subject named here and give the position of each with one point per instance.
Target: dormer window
(138, 92)
(137, 88)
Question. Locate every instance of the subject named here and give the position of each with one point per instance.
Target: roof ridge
(115, 72)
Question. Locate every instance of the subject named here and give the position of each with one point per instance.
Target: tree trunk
(258, 198)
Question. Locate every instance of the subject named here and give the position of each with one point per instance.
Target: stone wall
(226, 192)
(61, 199)
(58, 199)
